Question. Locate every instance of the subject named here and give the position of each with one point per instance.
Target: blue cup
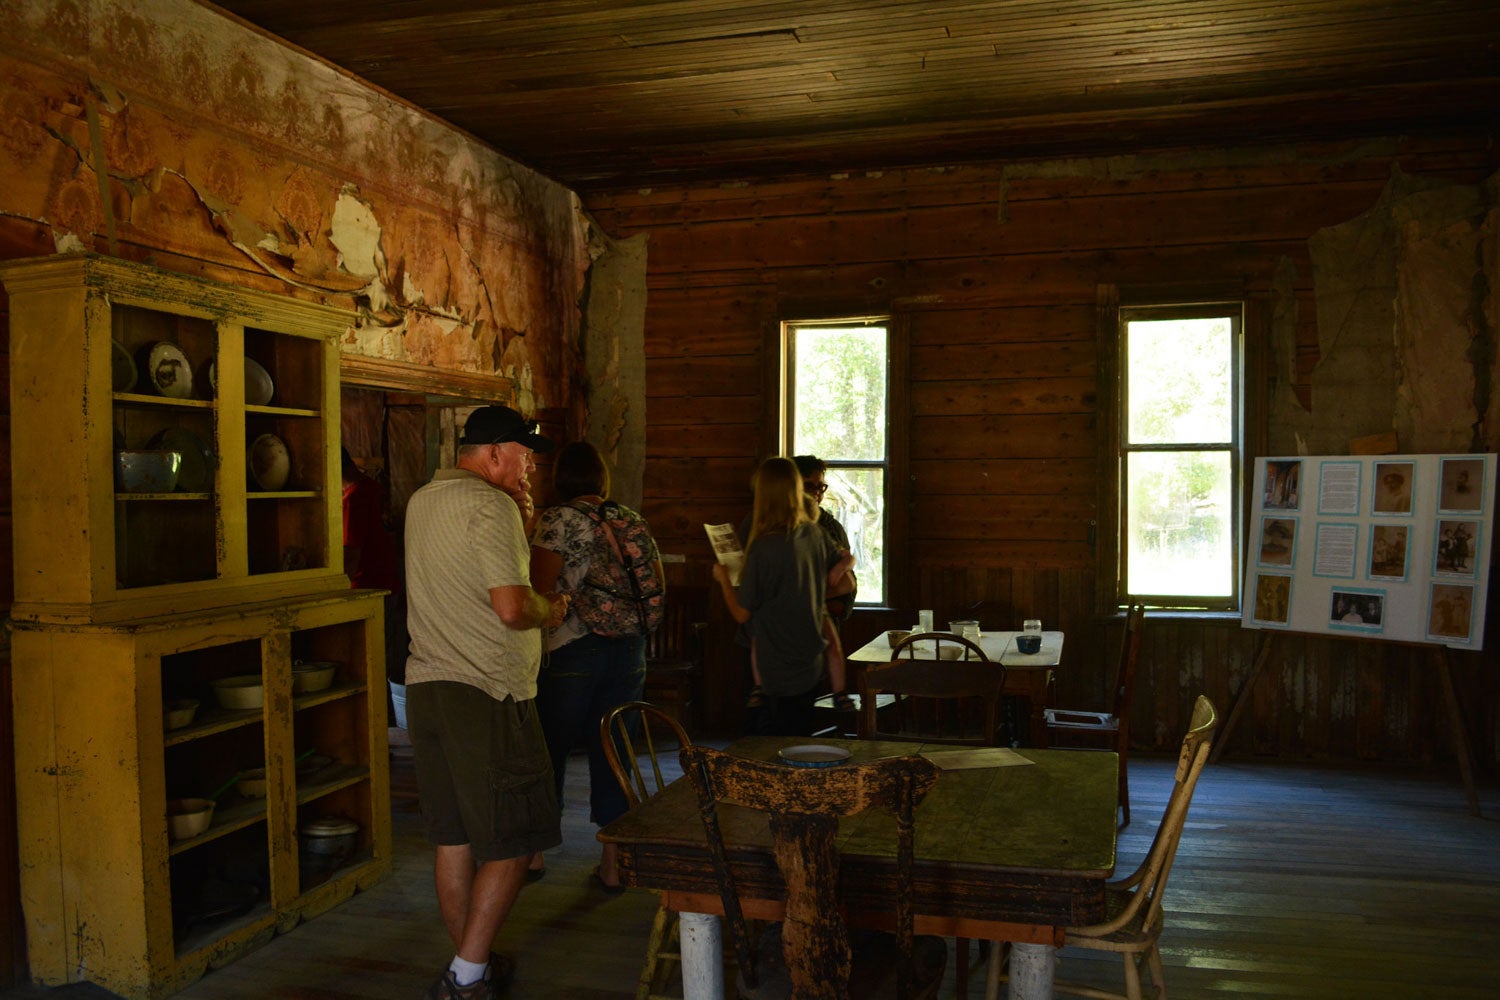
(1029, 644)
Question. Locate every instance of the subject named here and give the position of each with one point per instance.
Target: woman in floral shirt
(584, 674)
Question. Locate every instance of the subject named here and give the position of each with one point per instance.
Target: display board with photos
(1387, 546)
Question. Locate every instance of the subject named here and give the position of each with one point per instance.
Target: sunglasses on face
(816, 489)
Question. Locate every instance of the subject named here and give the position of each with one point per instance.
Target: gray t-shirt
(782, 587)
(464, 537)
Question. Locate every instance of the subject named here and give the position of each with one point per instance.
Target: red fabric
(364, 529)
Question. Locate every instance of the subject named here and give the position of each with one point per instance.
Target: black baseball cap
(497, 424)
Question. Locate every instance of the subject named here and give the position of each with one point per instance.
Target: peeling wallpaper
(159, 129)
(1406, 319)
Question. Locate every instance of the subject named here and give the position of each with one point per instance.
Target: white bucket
(398, 704)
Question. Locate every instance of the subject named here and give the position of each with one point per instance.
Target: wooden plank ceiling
(604, 93)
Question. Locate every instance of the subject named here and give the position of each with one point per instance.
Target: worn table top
(1029, 842)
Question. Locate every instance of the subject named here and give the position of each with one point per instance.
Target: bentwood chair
(1134, 905)
(1112, 726)
(804, 807)
(940, 700)
(630, 734)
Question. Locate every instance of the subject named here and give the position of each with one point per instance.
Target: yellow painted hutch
(127, 602)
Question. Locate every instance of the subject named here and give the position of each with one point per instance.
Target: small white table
(1027, 676)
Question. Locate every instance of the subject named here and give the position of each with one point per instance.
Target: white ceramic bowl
(146, 471)
(896, 636)
(179, 712)
(252, 783)
(310, 677)
(241, 692)
(948, 651)
(188, 817)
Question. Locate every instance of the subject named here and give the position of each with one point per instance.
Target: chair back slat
(629, 735)
(804, 806)
(948, 701)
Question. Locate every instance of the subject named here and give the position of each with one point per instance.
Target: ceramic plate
(168, 370)
(259, 388)
(269, 462)
(813, 755)
(196, 473)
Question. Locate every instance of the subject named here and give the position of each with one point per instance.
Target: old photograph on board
(1457, 550)
(1389, 546)
(1278, 541)
(1392, 488)
(1283, 486)
(1358, 609)
(1461, 485)
(1273, 599)
(1450, 612)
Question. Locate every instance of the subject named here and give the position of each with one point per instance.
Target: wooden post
(1241, 702)
(1456, 729)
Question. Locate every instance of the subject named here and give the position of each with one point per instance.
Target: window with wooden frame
(838, 403)
(1180, 454)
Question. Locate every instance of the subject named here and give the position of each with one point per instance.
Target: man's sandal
(757, 698)
(843, 701)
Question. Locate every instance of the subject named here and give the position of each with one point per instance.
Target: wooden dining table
(1029, 676)
(1011, 845)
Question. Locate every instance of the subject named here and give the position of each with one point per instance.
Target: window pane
(1179, 381)
(857, 498)
(1179, 537)
(839, 411)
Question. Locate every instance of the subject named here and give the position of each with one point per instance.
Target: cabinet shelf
(336, 692)
(283, 411)
(285, 495)
(227, 819)
(211, 722)
(171, 497)
(330, 779)
(161, 402)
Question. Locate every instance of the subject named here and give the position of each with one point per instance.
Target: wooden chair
(674, 653)
(1113, 726)
(937, 699)
(805, 806)
(629, 733)
(1135, 904)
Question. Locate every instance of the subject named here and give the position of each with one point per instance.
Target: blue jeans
(577, 685)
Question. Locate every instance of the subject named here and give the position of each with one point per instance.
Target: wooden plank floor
(1292, 881)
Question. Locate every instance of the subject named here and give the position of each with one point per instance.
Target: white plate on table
(813, 755)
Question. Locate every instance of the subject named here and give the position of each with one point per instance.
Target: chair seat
(873, 977)
(1133, 936)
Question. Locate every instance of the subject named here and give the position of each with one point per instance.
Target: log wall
(994, 272)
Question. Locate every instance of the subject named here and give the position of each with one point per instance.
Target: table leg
(1031, 967)
(702, 941)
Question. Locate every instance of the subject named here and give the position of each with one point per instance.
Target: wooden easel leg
(1460, 734)
(1243, 701)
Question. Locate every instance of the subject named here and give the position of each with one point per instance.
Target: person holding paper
(788, 564)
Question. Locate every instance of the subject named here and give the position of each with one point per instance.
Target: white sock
(467, 973)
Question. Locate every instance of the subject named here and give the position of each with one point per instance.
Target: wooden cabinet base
(109, 896)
